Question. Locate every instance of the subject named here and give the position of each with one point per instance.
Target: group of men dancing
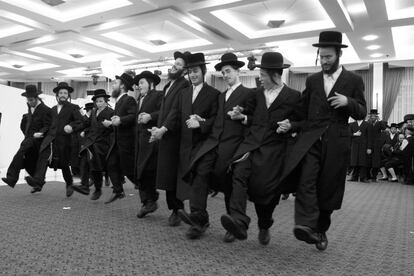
(189, 139)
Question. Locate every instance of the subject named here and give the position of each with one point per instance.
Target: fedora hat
(393, 125)
(63, 85)
(127, 80)
(89, 106)
(31, 91)
(196, 59)
(98, 93)
(229, 59)
(184, 55)
(272, 60)
(330, 38)
(147, 75)
(373, 112)
(408, 117)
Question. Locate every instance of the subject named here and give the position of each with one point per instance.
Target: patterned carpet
(48, 234)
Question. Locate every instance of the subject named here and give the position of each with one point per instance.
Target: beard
(116, 93)
(176, 75)
(62, 100)
(333, 67)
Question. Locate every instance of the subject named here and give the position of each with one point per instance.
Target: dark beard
(333, 68)
(176, 75)
(62, 100)
(116, 93)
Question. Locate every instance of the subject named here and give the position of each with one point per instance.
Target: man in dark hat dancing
(320, 156)
(34, 125)
(55, 150)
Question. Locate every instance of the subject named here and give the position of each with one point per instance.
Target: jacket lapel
(340, 82)
(201, 96)
(233, 97)
(281, 98)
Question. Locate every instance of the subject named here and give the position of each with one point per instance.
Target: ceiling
(68, 39)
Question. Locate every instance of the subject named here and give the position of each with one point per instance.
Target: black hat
(147, 75)
(31, 91)
(393, 125)
(330, 38)
(98, 93)
(63, 85)
(408, 117)
(88, 106)
(229, 59)
(127, 80)
(184, 55)
(373, 112)
(272, 60)
(196, 59)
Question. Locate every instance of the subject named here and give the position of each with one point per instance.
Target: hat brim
(129, 88)
(284, 66)
(153, 77)
(237, 63)
(100, 96)
(329, 44)
(24, 94)
(56, 89)
(196, 64)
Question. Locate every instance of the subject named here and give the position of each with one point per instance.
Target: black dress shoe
(323, 242)
(96, 195)
(235, 228)
(229, 237)
(69, 190)
(174, 219)
(114, 197)
(36, 190)
(306, 234)
(34, 183)
(81, 189)
(185, 217)
(150, 207)
(9, 182)
(264, 236)
(195, 232)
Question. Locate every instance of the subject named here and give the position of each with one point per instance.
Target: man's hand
(197, 118)
(68, 129)
(358, 133)
(192, 123)
(284, 126)
(369, 151)
(144, 118)
(82, 134)
(116, 121)
(156, 133)
(38, 135)
(338, 100)
(107, 123)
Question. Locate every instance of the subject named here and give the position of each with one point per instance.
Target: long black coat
(378, 140)
(322, 119)
(226, 134)
(97, 139)
(205, 106)
(39, 121)
(124, 134)
(267, 148)
(68, 115)
(360, 144)
(146, 152)
(391, 141)
(169, 145)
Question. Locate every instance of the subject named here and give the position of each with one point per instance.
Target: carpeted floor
(48, 234)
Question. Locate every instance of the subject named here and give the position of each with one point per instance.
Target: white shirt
(32, 109)
(59, 108)
(120, 96)
(141, 100)
(168, 88)
(231, 89)
(359, 122)
(196, 91)
(329, 80)
(404, 143)
(271, 95)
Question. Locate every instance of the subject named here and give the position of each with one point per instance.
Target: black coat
(124, 134)
(323, 120)
(267, 148)
(391, 141)
(360, 144)
(97, 139)
(378, 140)
(146, 152)
(226, 134)
(169, 145)
(205, 106)
(68, 115)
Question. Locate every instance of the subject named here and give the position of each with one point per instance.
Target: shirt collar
(120, 96)
(334, 75)
(234, 86)
(275, 90)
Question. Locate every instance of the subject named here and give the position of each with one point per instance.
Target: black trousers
(115, 171)
(19, 162)
(265, 212)
(87, 173)
(147, 190)
(173, 202)
(360, 172)
(42, 165)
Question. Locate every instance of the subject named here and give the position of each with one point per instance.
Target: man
(209, 167)
(259, 159)
(378, 140)
(34, 125)
(55, 150)
(361, 148)
(120, 159)
(392, 137)
(320, 155)
(169, 141)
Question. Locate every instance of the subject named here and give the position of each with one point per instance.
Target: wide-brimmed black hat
(393, 125)
(373, 112)
(31, 91)
(184, 55)
(63, 85)
(229, 59)
(89, 106)
(98, 93)
(329, 39)
(272, 60)
(195, 59)
(127, 80)
(147, 75)
(408, 117)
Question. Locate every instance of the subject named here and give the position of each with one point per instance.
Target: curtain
(297, 81)
(367, 77)
(392, 82)
(404, 104)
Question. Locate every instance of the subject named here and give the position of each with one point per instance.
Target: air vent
(158, 42)
(275, 23)
(17, 66)
(76, 55)
(53, 3)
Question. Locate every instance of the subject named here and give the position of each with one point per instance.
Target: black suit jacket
(39, 121)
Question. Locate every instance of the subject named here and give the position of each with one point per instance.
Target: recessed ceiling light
(18, 66)
(370, 37)
(76, 55)
(275, 23)
(158, 42)
(376, 55)
(373, 47)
